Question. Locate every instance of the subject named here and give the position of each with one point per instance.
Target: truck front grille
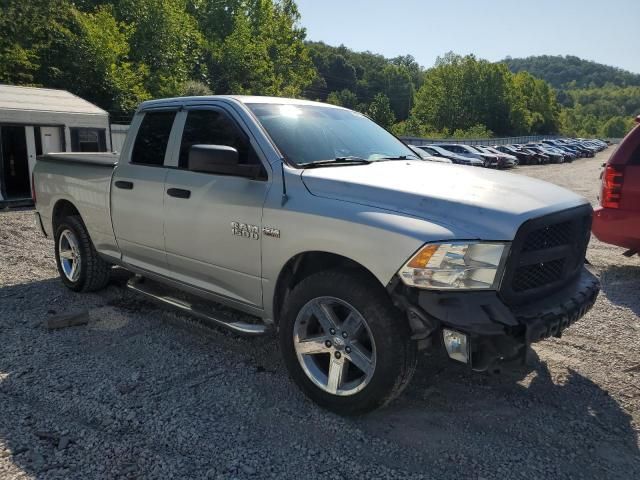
(548, 237)
(547, 253)
(537, 275)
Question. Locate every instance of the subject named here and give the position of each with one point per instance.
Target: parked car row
(555, 150)
(558, 150)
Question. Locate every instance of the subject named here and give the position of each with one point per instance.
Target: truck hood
(473, 203)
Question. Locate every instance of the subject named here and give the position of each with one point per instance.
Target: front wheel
(344, 343)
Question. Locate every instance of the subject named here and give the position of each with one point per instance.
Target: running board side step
(159, 293)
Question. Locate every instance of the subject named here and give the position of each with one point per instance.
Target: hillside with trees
(596, 99)
(572, 72)
(364, 81)
(117, 53)
(459, 96)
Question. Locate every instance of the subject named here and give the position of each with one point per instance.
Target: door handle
(178, 193)
(124, 185)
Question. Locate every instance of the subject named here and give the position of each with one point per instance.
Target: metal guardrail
(478, 141)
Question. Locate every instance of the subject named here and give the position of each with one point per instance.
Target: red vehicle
(617, 220)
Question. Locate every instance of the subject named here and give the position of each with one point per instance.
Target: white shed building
(35, 121)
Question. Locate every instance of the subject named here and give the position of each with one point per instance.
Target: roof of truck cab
(45, 100)
(246, 99)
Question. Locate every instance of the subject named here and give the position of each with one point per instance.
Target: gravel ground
(135, 394)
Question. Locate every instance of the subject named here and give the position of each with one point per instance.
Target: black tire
(396, 354)
(94, 271)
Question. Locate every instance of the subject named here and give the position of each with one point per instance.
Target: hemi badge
(271, 232)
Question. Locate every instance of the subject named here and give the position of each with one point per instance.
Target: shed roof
(44, 100)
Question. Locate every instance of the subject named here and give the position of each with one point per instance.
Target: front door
(213, 237)
(137, 190)
(14, 162)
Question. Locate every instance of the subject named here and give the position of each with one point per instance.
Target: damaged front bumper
(493, 331)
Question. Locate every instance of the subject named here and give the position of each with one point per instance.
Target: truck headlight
(456, 265)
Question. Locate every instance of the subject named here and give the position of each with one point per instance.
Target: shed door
(51, 138)
(14, 163)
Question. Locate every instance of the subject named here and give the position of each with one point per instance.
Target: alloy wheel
(69, 253)
(334, 346)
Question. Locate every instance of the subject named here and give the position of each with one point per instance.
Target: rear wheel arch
(61, 210)
(305, 264)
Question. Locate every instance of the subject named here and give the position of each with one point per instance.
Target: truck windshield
(306, 134)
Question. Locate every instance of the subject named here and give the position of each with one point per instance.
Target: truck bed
(80, 180)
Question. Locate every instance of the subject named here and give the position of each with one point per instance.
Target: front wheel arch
(305, 264)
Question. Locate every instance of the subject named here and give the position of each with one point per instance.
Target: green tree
(366, 74)
(167, 39)
(27, 31)
(535, 108)
(344, 98)
(292, 64)
(17, 65)
(398, 86)
(476, 131)
(90, 57)
(264, 54)
(411, 127)
(336, 71)
(615, 127)
(460, 92)
(380, 111)
(243, 65)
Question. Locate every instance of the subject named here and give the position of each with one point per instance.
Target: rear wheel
(79, 265)
(344, 343)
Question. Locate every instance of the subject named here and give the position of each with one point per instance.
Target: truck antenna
(285, 197)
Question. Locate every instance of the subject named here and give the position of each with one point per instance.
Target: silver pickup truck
(320, 225)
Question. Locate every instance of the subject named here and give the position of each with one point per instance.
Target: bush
(616, 127)
(193, 88)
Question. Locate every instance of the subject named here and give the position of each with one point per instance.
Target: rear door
(213, 237)
(137, 193)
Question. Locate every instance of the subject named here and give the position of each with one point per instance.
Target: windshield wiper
(335, 161)
(401, 157)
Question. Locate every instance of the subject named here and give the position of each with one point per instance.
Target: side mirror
(219, 159)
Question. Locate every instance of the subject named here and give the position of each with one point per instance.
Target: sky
(605, 31)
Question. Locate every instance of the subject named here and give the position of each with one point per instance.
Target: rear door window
(152, 139)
